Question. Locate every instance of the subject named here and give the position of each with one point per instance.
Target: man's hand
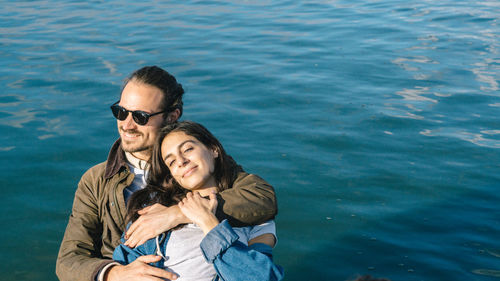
(139, 270)
(154, 220)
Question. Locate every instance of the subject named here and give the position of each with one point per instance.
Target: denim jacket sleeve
(234, 260)
(125, 255)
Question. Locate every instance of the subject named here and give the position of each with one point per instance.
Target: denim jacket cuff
(217, 241)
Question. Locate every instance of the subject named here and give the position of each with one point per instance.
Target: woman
(187, 165)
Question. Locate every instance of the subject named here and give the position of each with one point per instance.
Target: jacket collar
(135, 162)
(116, 160)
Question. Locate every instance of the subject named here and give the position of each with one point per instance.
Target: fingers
(132, 232)
(133, 235)
(194, 198)
(190, 197)
(154, 271)
(134, 242)
(212, 197)
(161, 273)
(131, 241)
(148, 225)
(131, 229)
(144, 210)
(139, 237)
(150, 209)
(213, 201)
(149, 258)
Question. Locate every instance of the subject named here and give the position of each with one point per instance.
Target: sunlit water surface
(376, 121)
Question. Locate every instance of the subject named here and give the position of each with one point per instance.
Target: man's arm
(154, 220)
(79, 255)
(250, 201)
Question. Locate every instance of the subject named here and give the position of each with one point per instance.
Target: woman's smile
(190, 162)
(189, 171)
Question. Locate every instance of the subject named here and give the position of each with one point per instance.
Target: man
(150, 98)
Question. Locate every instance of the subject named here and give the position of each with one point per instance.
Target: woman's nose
(182, 161)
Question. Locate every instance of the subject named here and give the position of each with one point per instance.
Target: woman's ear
(215, 153)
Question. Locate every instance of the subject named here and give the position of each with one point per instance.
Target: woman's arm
(232, 259)
(235, 261)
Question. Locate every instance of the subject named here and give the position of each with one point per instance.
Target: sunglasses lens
(119, 112)
(141, 118)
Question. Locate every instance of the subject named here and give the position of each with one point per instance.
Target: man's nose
(128, 123)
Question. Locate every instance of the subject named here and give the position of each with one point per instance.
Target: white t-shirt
(183, 255)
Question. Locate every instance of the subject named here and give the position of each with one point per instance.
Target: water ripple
(366, 113)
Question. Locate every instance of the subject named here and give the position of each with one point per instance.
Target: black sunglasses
(140, 117)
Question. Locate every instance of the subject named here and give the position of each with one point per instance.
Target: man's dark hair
(161, 79)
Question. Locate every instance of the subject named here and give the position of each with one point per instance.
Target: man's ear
(173, 116)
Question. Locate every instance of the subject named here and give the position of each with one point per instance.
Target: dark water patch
(456, 17)
(483, 20)
(396, 257)
(375, 121)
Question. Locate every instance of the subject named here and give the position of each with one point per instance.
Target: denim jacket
(231, 259)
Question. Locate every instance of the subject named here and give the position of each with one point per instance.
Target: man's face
(139, 139)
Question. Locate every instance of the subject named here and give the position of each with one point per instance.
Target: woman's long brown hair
(162, 187)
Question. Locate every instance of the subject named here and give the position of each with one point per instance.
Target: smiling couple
(168, 203)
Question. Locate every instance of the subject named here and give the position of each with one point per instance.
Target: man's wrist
(104, 273)
(180, 218)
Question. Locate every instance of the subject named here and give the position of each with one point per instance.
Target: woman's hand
(154, 220)
(200, 210)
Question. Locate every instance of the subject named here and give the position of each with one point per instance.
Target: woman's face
(190, 162)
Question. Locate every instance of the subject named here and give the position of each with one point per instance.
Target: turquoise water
(376, 121)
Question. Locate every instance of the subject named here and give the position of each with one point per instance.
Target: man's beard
(142, 148)
(133, 146)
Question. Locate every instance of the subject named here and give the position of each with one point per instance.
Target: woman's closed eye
(184, 151)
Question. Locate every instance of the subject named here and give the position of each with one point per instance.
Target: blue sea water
(377, 122)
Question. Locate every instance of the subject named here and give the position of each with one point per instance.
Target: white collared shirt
(139, 168)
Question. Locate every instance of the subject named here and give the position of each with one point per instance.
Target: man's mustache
(131, 131)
